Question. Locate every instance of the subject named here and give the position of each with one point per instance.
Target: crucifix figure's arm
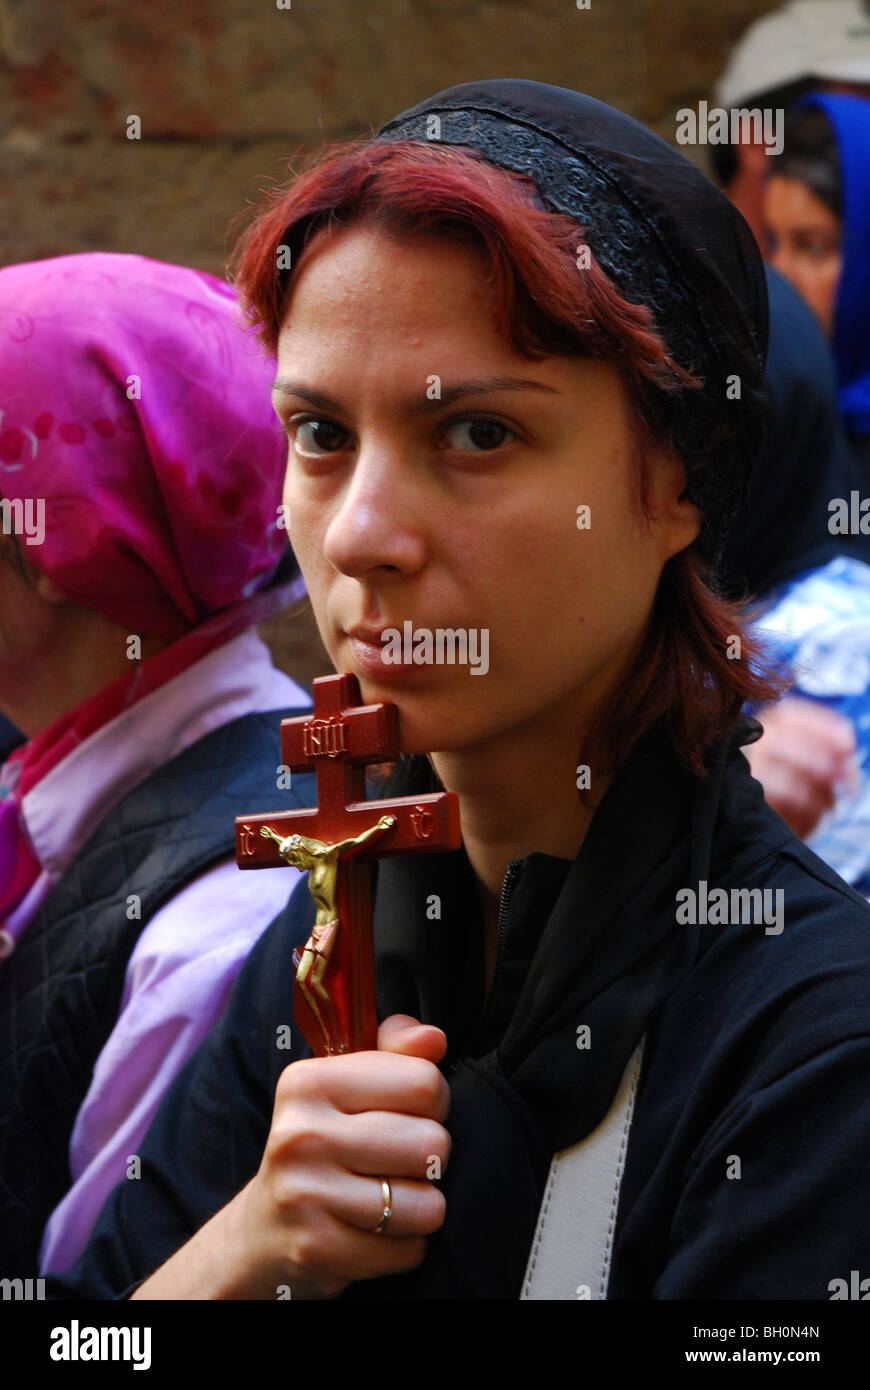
(373, 833)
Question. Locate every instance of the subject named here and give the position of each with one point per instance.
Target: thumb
(406, 1035)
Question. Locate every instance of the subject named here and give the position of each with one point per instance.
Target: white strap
(571, 1251)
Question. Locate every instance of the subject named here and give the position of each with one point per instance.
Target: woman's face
(434, 478)
(805, 237)
(25, 619)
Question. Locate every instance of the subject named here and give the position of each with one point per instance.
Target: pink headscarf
(136, 407)
(137, 434)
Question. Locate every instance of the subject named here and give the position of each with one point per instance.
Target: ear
(48, 590)
(676, 520)
(753, 159)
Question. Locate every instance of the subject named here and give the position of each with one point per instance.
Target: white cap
(824, 39)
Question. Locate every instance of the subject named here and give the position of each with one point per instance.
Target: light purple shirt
(181, 971)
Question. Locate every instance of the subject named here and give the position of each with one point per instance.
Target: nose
(378, 524)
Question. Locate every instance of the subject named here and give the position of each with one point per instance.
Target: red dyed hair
(543, 307)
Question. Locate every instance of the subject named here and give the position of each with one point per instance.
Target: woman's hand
(803, 758)
(306, 1221)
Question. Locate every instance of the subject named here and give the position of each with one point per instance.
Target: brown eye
(477, 434)
(314, 436)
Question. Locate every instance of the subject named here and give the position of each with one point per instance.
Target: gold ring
(388, 1208)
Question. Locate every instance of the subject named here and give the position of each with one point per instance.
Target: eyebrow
(421, 405)
(813, 229)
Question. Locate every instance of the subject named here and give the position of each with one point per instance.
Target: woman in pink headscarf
(141, 539)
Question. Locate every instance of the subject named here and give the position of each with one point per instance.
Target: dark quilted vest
(60, 992)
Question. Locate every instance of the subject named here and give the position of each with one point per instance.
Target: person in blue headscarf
(817, 211)
(813, 591)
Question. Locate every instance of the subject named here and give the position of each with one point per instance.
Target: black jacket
(757, 1048)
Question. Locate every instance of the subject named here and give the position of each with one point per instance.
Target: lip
(372, 636)
(367, 649)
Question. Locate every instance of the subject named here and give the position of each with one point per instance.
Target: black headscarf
(666, 237)
(782, 527)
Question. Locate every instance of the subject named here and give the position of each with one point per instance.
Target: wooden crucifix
(334, 986)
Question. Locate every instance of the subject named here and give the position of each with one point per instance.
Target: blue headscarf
(850, 119)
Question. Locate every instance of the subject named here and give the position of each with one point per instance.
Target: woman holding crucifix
(520, 366)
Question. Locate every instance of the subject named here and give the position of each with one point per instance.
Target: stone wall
(227, 90)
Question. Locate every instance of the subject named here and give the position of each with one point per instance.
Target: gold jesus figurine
(321, 860)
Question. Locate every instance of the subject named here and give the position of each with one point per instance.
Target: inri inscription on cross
(334, 987)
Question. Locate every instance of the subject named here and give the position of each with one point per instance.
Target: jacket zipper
(510, 878)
